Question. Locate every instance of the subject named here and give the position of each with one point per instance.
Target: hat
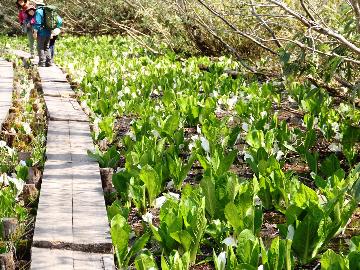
(30, 8)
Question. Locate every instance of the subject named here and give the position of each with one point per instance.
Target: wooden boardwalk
(6, 88)
(71, 229)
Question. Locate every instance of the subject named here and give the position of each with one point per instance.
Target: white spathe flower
(122, 103)
(335, 147)
(22, 163)
(160, 201)
(230, 241)
(133, 95)
(127, 90)
(131, 135)
(263, 114)
(205, 144)
(4, 179)
(248, 156)
(174, 195)
(147, 217)
(231, 102)
(279, 154)
(2, 143)
(257, 201)
(26, 128)
(194, 138)
(155, 133)
(261, 267)
(290, 99)
(338, 136)
(170, 184)
(222, 258)
(290, 232)
(18, 183)
(245, 127)
(198, 129)
(119, 169)
(191, 145)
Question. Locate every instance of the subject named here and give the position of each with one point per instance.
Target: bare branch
(317, 27)
(236, 30)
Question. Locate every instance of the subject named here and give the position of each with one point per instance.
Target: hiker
(42, 33)
(26, 24)
(30, 18)
(54, 36)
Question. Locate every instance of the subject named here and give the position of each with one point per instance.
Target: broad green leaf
(145, 262)
(152, 182)
(120, 234)
(354, 260)
(208, 187)
(332, 261)
(330, 165)
(226, 162)
(255, 138)
(234, 216)
(248, 249)
(171, 124)
(183, 238)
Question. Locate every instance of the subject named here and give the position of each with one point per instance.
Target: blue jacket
(40, 21)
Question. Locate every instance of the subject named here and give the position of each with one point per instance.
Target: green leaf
(332, 261)
(330, 165)
(312, 161)
(171, 124)
(355, 243)
(255, 138)
(138, 245)
(208, 187)
(226, 162)
(120, 234)
(234, 216)
(306, 237)
(310, 139)
(354, 260)
(152, 182)
(248, 249)
(145, 262)
(183, 238)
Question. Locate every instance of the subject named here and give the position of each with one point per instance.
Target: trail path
(71, 229)
(6, 88)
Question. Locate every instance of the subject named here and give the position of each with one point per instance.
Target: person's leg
(41, 51)
(52, 48)
(31, 42)
(47, 51)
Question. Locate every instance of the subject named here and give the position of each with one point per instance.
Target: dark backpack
(50, 17)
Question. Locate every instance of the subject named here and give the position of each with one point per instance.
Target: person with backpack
(26, 24)
(46, 20)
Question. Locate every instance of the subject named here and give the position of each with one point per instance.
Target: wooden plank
(64, 109)
(6, 89)
(52, 259)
